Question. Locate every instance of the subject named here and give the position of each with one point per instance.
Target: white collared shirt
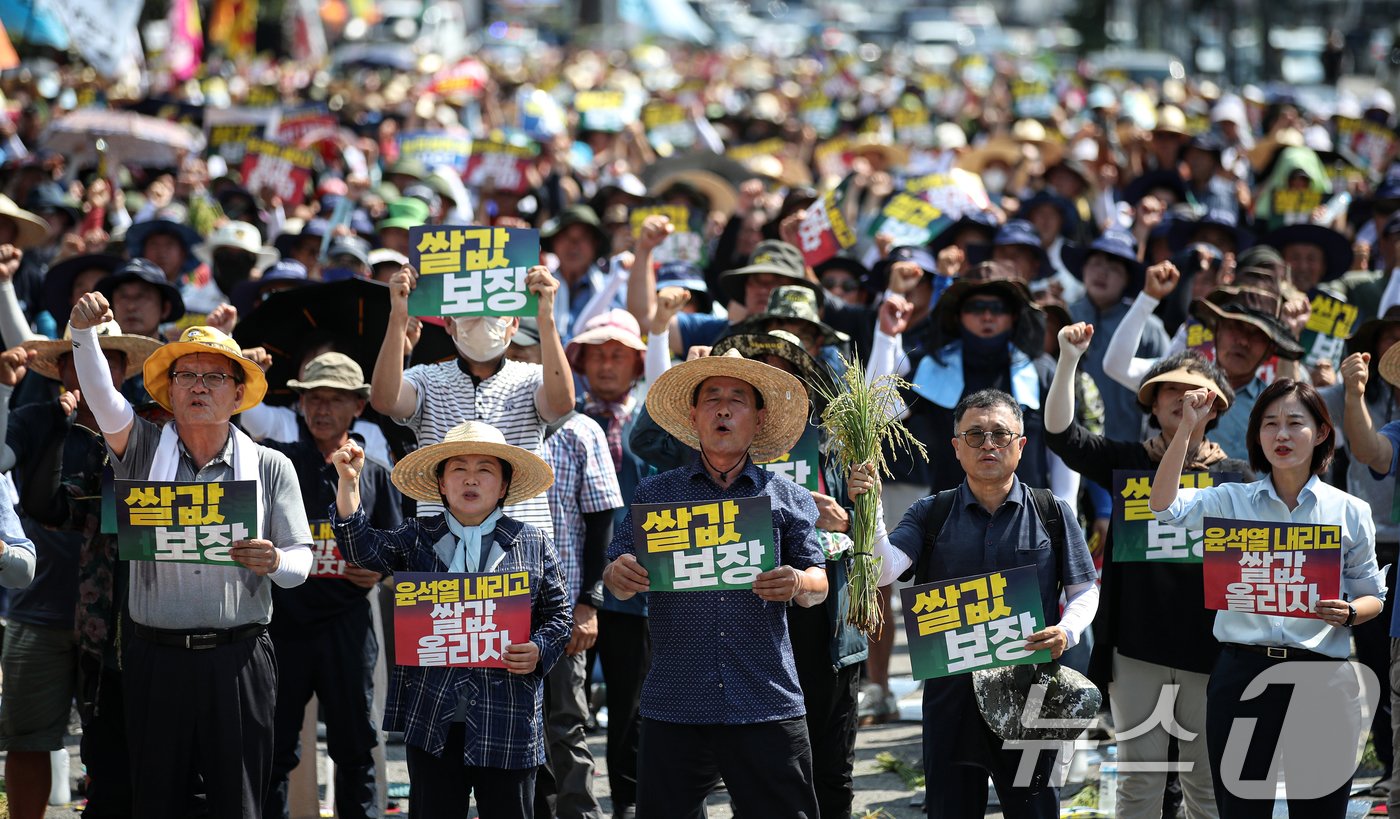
(1318, 502)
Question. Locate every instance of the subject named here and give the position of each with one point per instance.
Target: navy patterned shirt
(724, 657)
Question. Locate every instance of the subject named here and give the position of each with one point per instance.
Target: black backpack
(1046, 508)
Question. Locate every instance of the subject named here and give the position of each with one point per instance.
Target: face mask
(231, 268)
(994, 180)
(480, 339)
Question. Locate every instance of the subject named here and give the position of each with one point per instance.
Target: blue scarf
(469, 541)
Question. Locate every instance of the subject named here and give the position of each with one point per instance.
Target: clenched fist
(349, 461)
(90, 311)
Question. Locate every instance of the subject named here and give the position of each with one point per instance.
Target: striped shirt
(447, 396)
(584, 482)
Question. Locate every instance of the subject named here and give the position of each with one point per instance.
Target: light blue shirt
(1233, 430)
(1318, 502)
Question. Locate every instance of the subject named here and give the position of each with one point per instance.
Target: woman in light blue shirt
(1290, 439)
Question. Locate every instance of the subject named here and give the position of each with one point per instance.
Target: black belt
(198, 639)
(1279, 652)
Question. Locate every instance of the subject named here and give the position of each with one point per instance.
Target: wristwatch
(1351, 618)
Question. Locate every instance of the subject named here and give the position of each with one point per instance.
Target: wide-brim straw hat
(1389, 367)
(415, 475)
(32, 229)
(200, 339)
(137, 350)
(722, 195)
(1181, 375)
(1255, 307)
(670, 401)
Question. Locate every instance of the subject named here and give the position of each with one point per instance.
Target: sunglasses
(843, 285)
(995, 307)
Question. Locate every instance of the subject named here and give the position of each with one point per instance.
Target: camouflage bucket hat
(1058, 702)
(791, 303)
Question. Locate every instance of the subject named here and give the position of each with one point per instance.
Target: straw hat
(671, 399)
(32, 229)
(1147, 391)
(109, 336)
(416, 474)
(1390, 365)
(201, 339)
(722, 195)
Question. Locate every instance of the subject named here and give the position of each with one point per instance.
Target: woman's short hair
(1322, 449)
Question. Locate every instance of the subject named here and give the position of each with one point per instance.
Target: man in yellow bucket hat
(200, 674)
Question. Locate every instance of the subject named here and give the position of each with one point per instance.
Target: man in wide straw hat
(199, 674)
(722, 699)
(56, 461)
(469, 731)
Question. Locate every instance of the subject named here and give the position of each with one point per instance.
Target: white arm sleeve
(264, 423)
(658, 358)
(1119, 362)
(17, 566)
(887, 357)
(112, 411)
(293, 566)
(14, 328)
(893, 562)
(1082, 601)
(1064, 482)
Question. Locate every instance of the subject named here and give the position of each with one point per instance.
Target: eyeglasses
(844, 285)
(1001, 438)
(210, 381)
(994, 306)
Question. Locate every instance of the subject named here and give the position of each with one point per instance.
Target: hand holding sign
(364, 578)
(626, 577)
(521, 658)
(1333, 612)
(1356, 371)
(1053, 639)
(91, 310)
(1075, 339)
(543, 284)
(258, 556)
(779, 585)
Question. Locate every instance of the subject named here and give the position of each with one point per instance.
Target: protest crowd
(572, 379)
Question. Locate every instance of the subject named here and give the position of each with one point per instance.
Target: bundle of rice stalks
(861, 419)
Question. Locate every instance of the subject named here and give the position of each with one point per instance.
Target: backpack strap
(938, 516)
(1048, 508)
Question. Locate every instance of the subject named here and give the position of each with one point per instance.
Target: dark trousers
(441, 786)
(1373, 651)
(205, 713)
(336, 663)
(570, 761)
(624, 649)
(960, 752)
(766, 766)
(1234, 671)
(104, 745)
(830, 698)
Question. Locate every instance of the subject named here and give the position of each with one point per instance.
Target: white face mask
(481, 339)
(994, 180)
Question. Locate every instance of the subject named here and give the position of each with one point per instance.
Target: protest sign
(503, 166)
(973, 623)
(299, 123)
(704, 546)
(818, 111)
(802, 465)
(1372, 143)
(228, 130)
(1033, 98)
(603, 111)
(473, 271)
(281, 169)
(955, 193)
(824, 232)
(1290, 207)
(768, 147)
(912, 127)
(329, 562)
(436, 150)
(668, 124)
(1271, 568)
(686, 242)
(459, 620)
(1330, 325)
(184, 521)
(1137, 535)
(909, 220)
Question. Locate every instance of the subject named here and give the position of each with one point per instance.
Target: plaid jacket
(505, 728)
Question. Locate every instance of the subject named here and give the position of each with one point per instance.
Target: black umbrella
(354, 313)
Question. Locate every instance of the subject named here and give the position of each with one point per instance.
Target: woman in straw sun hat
(469, 731)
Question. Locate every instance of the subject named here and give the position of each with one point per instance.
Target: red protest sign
(499, 165)
(824, 232)
(282, 169)
(1282, 569)
(459, 620)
